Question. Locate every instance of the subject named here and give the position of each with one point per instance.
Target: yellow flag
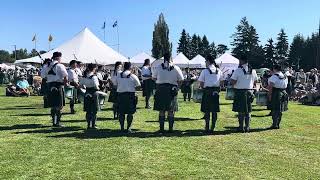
(34, 37)
(50, 38)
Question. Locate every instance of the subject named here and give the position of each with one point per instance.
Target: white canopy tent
(85, 47)
(227, 63)
(197, 62)
(181, 60)
(138, 59)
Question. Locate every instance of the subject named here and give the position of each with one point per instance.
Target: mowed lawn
(31, 149)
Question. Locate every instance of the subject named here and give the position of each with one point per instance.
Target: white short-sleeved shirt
(43, 72)
(72, 75)
(79, 72)
(278, 83)
(127, 84)
(60, 70)
(165, 76)
(114, 77)
(146, 71)
(92, 82)
(244, 81)
(100, 75)
(211, 80)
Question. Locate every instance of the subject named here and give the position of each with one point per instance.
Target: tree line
(301, 53)
(7, 57)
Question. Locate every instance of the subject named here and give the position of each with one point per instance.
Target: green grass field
(31, 149)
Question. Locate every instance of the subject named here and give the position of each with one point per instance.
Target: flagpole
(118, 37)
(35, 42)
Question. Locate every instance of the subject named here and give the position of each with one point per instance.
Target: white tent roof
(227, 63)
(181, 59)
(227, 58)
(34, 59)
(86, 47)
(198, 62)
(139, 58)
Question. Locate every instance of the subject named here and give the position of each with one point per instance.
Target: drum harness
(51, 72)
(92, 89)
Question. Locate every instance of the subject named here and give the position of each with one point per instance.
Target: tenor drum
(262, 98)
(229, 94)
(197, 95)
(101, 96)
(68, 90)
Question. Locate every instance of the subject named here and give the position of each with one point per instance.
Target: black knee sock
(247, 121)
(171, 122)
(279, 119)
(184, 96)
(147, 101)
(121, 121)
(240, 119)
(94, 119)
(161, 122)
(53, 116)
(274, 119)
(207, 121)
(129, 121)
(214, 120)
(189, 96)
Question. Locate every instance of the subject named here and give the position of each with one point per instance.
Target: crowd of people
(92, 83)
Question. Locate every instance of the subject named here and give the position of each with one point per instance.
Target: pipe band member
(168, 76)
(243, 79)
(126, 83)
(73, 79)
(186, 86)
(113, 97)
(57, 77)
(210, 79)
(91, 101)
(277, 95)
(44, 86)
(148, 84)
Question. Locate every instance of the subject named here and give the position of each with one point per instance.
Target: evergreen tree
(183, 43)
(212, 50)
(200, 46)
(246, 41)
(221, 49)
(194, 46)
(297, 49)
(269, 54)
(33, 53)
(5, 56)
(160, 40)
(205, 49)
(282, 47)
(188, 53)
(21, 54)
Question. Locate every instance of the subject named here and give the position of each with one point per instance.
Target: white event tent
(85, 47)
(138, 59)
(197, 62)
(227, 63)
(181, 60)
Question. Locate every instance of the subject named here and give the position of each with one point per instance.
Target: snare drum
(68, 90)
(262, 98)
(81, 95)
(229, 94)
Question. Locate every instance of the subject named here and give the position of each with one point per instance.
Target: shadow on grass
(225, 104)
(22, 126)
(52, 130)
(267, 115)
(109, 133)
(83, 120)
(38, 114)
(177, 119)
(18, 108)
(259, 109)
(235, 129)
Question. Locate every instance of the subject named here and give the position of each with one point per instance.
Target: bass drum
(197, 92)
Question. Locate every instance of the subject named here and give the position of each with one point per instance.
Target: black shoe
(241, 130)
(247, 130)
(58, 125)
(148, 107)
(272, 127)
(73, 111)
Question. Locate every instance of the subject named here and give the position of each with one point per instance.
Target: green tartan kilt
(279, 100)
(243, 101)
(165, 99)
(56, 96)
(127, 103)
(148, 87)
(113, 95)
(186, 86)
(91, 101)
(210, 100)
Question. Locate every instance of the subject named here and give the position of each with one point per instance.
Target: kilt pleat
(127, 103)
(243, 101)
(210, 100)
(56, 96)
(164, 100)
(279, 100)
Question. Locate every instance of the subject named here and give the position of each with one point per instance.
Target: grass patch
(31, 149)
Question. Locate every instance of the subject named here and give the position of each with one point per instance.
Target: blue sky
(215, 18)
